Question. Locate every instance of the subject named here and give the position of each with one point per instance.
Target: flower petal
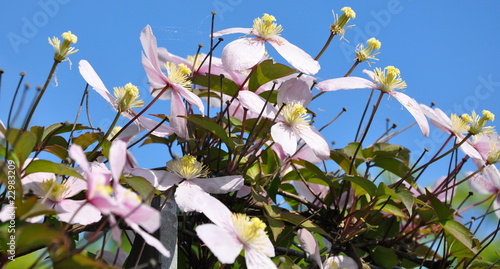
(255, 259)
(347, 83)
(243, 54)
(414, 108)
(285, 136)
(235, 30)
(315, 140)
(117, 153)
(218, 185)
(309, 244)
(225, 246)
(88, 73)
(177, 114)
(77, 211)
(294, 90)
(150, 240)
(294, 55)
(256, 104)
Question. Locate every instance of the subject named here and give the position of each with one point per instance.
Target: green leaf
(80, 261)
(51, 167)
(391, 209)
(392, 165)
(209, 125)
(343, 160)
(362, 185)
(36, 235)
(384, 257)
(459, 232)
(268, 71)
(23, 143)
(229, 87)
(87, 139)
(31, 207)
(62, 127)
(407, 199)
(143, 188)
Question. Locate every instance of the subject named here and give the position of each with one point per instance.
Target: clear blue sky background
(447, 53)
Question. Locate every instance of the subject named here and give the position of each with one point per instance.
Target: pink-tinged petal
(340, 262)
(243, 54)
(347, 83)
(256, 104)
(165, 56)
(219, 185)
(235, 30)
(285, 136)
(225, 246)
(156, 78)
(306, 154)
(370, 74)
(77, 211)
(256, 260)
(191, 197)
(309, 244)
(32, 182)
(88, 73)
(161, 131)
(129, 133)
(493, 174)
(76, 153)
(75, 185)
(133, 210)
(116, 232)
(315, 140)
(150, 240)
(117, 153)
(437, 120)
(294, 90)
(150, 46)
(190, 97)
(295, 56)
(478, 183)
(414, 108)
(468, 149)
(161, 180)
(496, 206)
(177, 114)
(304, 191)
(244, 191)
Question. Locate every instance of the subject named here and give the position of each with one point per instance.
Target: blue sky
(447, 53)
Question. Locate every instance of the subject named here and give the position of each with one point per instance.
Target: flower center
(127, 97)
(54, 191)
(295, 115)
(178, 74)
(188, 167)
(248, 229)
(265, 27)
(389, 79)
(460, 124)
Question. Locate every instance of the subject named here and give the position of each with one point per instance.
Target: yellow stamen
(178, 74)
(188, 167)
(338, 27)
(460, 124)
(265, 27)
(248, 229)
(295, 115)
(477, 125)
(61, 51)
(364, 53)
(55, 191)
(389, 79)
(126, 97)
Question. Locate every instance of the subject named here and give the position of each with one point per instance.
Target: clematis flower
(124, 100)
(61, 51)
(454, 124)
(338, 27)
(310, 245)
(292, 122)
(488, 183)
(488, 146)
(246, 52)
(176, 83)
(191, 176)
(233, 232)
(115, 200)
(387, 81)
(367, 53)
(56, 195)
(340, 262)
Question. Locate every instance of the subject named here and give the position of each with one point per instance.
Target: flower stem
(93, 154)
(39, 96)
